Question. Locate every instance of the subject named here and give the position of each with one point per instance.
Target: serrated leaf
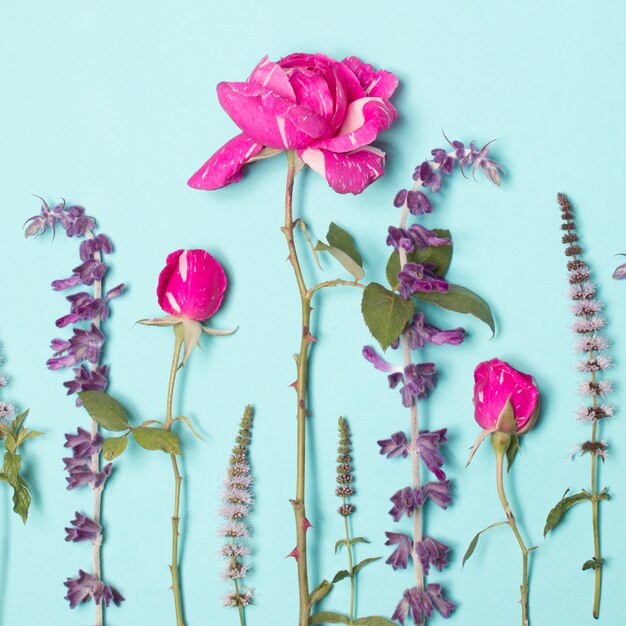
(512, 451)
(105, 410)
(385, 313)
(359, 566)
(441, 256)
(328, 618)
(374, 620)
(474, 541)
(114, 446)
(157, 439)
(321, 591)
(340, 575)
(561, 507)
(461, 300)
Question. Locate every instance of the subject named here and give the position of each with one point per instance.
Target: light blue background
(112, 105)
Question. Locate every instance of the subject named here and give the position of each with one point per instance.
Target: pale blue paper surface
(113, 105)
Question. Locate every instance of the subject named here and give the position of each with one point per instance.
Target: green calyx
(500, 441)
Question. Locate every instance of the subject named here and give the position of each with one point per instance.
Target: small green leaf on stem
(321, 591)
(461, 300)
(561, 507)
(359, 566)
(328, 618)
(340, 575)
(300, 222)
(474, 541)
(593, 563)
(385, 313)
(114, 446)
(157, 439)
(342, 542)
(105, 410)
(187, 421)
(375, 620)
(512, 451)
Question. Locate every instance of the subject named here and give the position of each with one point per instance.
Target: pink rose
(191, 285)
(496, 382)
(328, 111)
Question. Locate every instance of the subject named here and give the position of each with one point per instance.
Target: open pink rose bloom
(328, 111)
(191, 285)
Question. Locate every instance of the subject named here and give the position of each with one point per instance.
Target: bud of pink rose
(191, 285)
(505, 399)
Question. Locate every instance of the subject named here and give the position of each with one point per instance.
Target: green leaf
(105, 410)
(114, 446)
(593, 563)
(512, 451)
(439, 255)
(561, 507)
(21, 491)
(340, 575)
(385, 313)
(342, 542)
(474, 541)
(359, 566)
(321, 591)
(461, 300)
(328, 618)
(157, 439)
(19, 420)
(354, 269)
(338, 238)
(187, 421)
(375, 620)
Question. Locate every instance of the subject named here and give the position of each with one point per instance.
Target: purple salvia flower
(237, 500)
(427, 445)
(83, 444)
(404, 501)
(87, 587)
(47, 218)
(76, 223)
(396, 445)
(83, 529)
(414, 237)
(431, 552)
(620, 271)
(81, 475)
(85, 379)
(419, 332)
(420, 277)
(399, 558)
(85, 345)
(438, 492)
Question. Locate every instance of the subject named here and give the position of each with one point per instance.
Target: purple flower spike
(85, 587)
(84, 529)
(84, 345)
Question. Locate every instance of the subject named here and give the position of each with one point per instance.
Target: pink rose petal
(379, 83)
(364, 120)
(225, 166)
(273, 77)
(347, 172)
(270, 119)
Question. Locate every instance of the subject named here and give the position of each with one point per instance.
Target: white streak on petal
(183, 266)
(172, 300)
(281, 129)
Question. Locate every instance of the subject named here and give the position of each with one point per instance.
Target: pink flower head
(328, 111)
(496, 382)
(191, 285)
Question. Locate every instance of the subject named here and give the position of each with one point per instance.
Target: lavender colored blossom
(427, 445)
(399, 558)
(431, 552)
(82, 353)
(85, 587)
(421, 604)
(620, 271)
(419, 332)
(396, 445)
(237, 499)
(344, 469)
(83, 528)
(420, 277)
(414, 237)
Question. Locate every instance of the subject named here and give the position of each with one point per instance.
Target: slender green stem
(511, 521)
(335, 283)
(350, 565)
(178, 603)
(594, 511)
(301, 391)
(242, 619)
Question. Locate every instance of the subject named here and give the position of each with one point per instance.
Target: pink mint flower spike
(328, 111)
(591, 344)
(237, 500)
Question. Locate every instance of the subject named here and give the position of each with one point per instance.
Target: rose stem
(178, 342)
(95, 464)
(301, 389)
(350, 564)
(511, 521)
(415, 462)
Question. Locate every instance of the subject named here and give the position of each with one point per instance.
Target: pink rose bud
(505, 400)
(191, 285)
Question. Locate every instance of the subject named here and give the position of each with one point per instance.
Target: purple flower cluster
(416, 380)
(81, 353)
(345, 477)
(237, 500)
(7, 410)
